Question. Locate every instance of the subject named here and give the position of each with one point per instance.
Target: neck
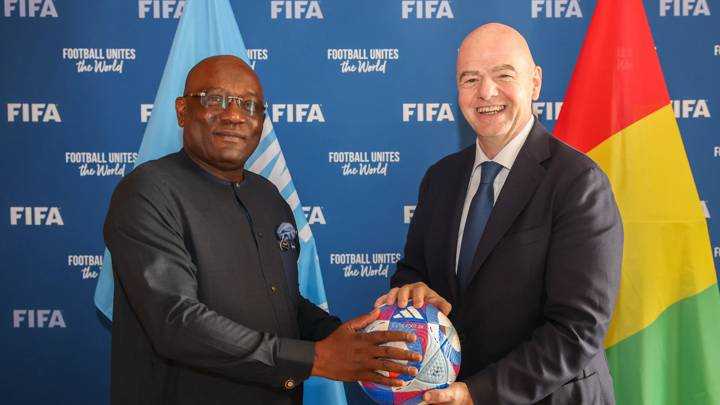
(489, 150)
(492, 146)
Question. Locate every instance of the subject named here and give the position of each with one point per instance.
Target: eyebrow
(250, 92)
(468, 73)
(494, 69)
(504, 67)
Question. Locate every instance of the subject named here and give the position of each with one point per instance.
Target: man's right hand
(350, 355)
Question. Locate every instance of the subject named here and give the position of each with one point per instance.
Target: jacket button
(289, 384)
(259, 234)
(274, 289)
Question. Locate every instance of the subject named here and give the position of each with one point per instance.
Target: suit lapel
(522, 181)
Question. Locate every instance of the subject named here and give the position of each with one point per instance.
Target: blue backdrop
(362, 99)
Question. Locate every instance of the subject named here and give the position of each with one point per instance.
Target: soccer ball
(437, 342)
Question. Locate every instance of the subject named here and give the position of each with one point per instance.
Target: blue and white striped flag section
(208, 27)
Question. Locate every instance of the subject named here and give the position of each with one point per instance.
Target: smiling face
(220, 141)
(497, 80)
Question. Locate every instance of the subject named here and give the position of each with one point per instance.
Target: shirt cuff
(295, 360)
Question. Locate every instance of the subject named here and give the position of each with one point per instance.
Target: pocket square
(286, 234)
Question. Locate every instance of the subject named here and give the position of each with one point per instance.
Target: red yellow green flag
(664, 340)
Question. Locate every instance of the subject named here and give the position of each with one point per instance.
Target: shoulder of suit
(153, 171)
(568, 157)
(154, 180)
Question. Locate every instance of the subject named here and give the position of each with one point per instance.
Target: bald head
(212, 66)
(497, 80)
(496, 37)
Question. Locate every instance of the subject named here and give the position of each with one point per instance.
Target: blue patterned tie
(477, 217)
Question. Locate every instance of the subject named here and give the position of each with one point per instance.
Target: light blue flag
(207, 28)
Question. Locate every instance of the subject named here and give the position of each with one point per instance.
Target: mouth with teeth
(489, 110)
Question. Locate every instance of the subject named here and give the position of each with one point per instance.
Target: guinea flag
(663, 345)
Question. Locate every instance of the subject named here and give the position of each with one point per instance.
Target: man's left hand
(419, 293)
(455, 394)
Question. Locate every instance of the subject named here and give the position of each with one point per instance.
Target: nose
(233, 114)
(486, 89)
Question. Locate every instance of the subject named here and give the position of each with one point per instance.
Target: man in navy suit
(521, 235)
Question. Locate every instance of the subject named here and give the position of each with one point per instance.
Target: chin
(231, 158)
(484, 132)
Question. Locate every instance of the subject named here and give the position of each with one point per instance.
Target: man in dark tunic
(207, 307)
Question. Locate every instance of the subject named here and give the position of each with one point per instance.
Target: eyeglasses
(220, 102)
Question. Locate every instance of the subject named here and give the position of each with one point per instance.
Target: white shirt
(506, 158)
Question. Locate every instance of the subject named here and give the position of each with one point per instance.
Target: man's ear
(536, 82)
(180, 106)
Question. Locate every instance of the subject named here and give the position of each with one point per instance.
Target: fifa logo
(296, 113)
(690, 108)
(426, 9)
(33, 112)
(555, 8)
(38, 318)
(46, 216)
(684, 8)
(547, 110)
(427, 112)
(314, 215)
(30, 8)
(161, 8)
(295, 9)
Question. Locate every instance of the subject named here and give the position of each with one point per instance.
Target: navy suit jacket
(546, 273)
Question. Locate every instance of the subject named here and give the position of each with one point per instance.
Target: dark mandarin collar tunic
(207, 308)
